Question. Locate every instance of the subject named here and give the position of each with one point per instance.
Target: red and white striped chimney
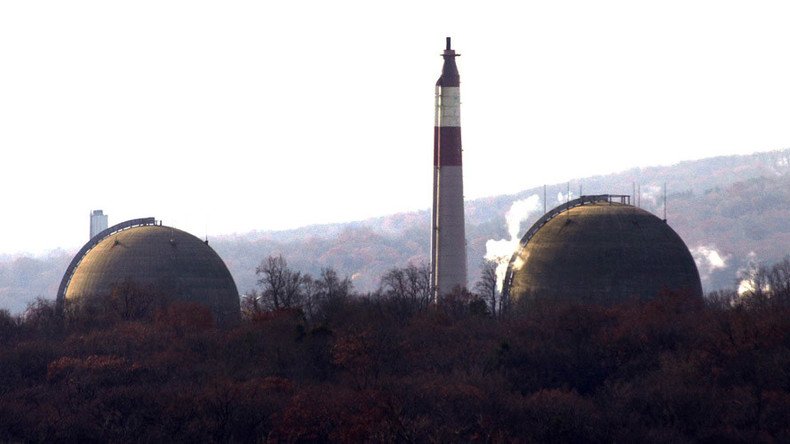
(448, 238)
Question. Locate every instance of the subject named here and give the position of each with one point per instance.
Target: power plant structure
(98, 222)
(599, 250)
(595, 249)
(448, 237)
(159, 264)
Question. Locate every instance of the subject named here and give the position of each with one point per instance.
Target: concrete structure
(448, 238)
(165, 263)
(98, 222)
(599, 249)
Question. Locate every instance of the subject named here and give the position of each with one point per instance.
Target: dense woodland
(314, 361)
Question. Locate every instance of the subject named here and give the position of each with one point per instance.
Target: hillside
(732, 212)
(735, 206)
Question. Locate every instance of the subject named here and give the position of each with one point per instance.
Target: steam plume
(563, 198)
(500, 251)
(708, 260)
(651, 195)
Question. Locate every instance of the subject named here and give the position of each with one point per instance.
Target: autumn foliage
(671, 370)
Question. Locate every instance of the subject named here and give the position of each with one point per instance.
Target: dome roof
(603, 252)
(164, 260)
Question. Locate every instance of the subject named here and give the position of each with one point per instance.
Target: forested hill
(732, 212)
(735, 206)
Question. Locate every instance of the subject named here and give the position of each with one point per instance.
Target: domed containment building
(162, 261)
(600, 250)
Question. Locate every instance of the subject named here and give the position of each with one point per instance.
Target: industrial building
(600, 250)
(594, 249)
(98, 222)
(163, 261)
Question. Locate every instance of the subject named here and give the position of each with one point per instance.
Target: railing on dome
(64, 283)
(556, 211)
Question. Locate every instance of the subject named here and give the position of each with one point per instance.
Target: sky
(225, 117)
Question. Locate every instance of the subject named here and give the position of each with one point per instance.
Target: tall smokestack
(448, 238)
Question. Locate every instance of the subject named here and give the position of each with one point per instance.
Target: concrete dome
(164, 261)
(598, 251)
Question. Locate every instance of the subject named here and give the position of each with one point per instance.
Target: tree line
(280, 287)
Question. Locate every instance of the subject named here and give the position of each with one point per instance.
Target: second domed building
(600, 250)
(160, 261)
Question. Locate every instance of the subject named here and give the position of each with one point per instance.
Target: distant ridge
(365, 249)
(734, 207)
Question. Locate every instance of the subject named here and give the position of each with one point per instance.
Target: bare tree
(325, 296)
(721, 299)
(758, 286)
(251, 305)
(411, 285)
(779, 282)
(311, 289)
(754, 290)
(44, 316)
(332, 288)
(486, 287)
(461, 302)
(280, 287)
(130, 301)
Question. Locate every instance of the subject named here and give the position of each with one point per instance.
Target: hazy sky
(221, 117)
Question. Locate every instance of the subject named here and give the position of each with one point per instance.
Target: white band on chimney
(448, 106)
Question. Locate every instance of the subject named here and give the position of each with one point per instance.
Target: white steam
(563, 198)
(708, 259)
(519, 212)
(500, 251)
(746, 286)
(651, 194)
